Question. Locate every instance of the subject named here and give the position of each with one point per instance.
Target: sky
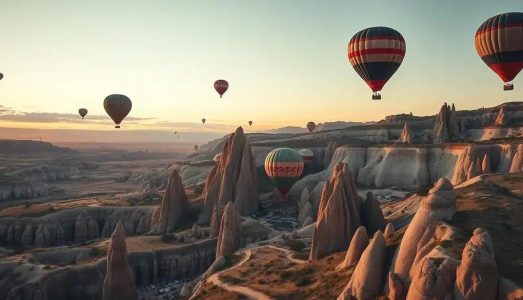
(285, 61)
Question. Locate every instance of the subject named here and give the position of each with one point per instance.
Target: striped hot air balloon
(284, 167)
(221, 86)
(82, 112)
(117, 107)
(307, 155)
(376, 53)
(499, 43)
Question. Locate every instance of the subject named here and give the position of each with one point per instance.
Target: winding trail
(246, 291)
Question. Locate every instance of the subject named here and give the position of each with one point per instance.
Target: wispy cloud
(11, 115)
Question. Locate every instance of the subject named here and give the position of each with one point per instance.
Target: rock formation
(119, 281)
(477, 275)
(446, 127)
(433, 279)
(367, 280)
(485, 165)
(215, 222)
(229, 235)
(357, 245)
(440, 204)
(338, 214)
(405, 137)
(174, 206)
(329, 152)
(502, 117)
(305, 212)
(517, 162)
(389, 231)
(85, 227)
(233, 179)
(371, 214)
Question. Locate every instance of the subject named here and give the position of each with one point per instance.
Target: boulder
(371, 214)
(477, 275)
(173, 208)
(367, 280)
(119, 281)
(338, 214)
(357, 245)
(229, 235)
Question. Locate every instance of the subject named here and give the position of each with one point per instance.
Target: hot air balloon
(311, 126)
(221, 86)
(376, 53)
(1, 76)
(203, 120)
(307, 155)
(284, 167)
(82, 112)
(117, 107)
(250, 123)
(195, 147)
(176, 132)
(499, 43)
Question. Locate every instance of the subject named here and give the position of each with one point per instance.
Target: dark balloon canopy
(204, 120)
(250, 123)
(82, 112)
(1, 76)
(311, 126)
(117, 107)
(376, 53)
(499, 43)
(221, 86)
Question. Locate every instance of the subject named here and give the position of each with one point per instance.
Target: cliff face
(234, 179)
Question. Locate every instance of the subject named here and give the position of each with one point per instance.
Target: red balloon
(221, 86)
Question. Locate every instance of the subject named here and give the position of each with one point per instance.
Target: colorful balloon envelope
(284, 167)
(499, 43)
(221, 86)
(376, 54)
(82, 112)
(311, 126)
(117, 107)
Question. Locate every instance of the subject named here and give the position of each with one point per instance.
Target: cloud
(11, 115)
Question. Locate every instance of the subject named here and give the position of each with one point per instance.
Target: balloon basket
(376, 96)
(508, 87)
(117, 126)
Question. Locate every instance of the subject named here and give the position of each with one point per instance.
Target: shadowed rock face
(446, 127)
(338, 214)
(329, 152)
(233, 179)
(119, 281)
(367, 280)
(477, 275)
(371, 214)
(174, 206)
(229, 236)
(440, 204)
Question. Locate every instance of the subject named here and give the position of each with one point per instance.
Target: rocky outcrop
(119, 280)
(502, 118)
(329, 152)
(85, 228)
(371, 214)
(477, 275)
(517, 162)
(440, 204)
(338, 214)
(367, 280)
(357, 245)
(229, 235)
(233, 179)
(446, 127)
(405, 137)
(174, 206)
(433, 279)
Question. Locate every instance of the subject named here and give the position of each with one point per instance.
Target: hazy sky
(285, 61)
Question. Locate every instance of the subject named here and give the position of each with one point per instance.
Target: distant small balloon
(117, 107)
(1, 76)
(250, 123)
(195, 147)
(311, 126)
(82, 112)
(221, 86)
(203, 120)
